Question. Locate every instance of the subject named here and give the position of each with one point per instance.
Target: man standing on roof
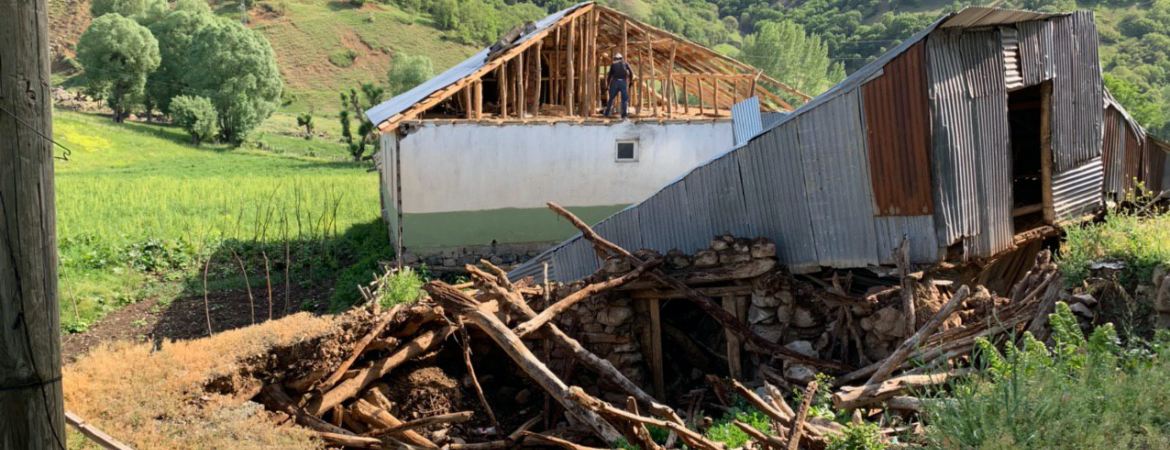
(618, 79)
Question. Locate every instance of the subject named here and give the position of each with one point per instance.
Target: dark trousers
(615, 87)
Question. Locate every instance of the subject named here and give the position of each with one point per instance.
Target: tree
(351, 102)
(141, 10)
(784, 51)
(117, 54)
(306, 120)
(196, 115)
(408, 71)
(236, 68)
(176, 33)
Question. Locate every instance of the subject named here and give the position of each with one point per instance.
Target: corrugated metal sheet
(1113, 153)
(924, 247)
(971, 147)
(1163, 147)
(1035, 44)
(402, 102)
(716, 200)
(1077, 192)
(746, 121)
(1131, 162)
(992, 131)
(953, 147)
(983, 17)
(1077, 94)
(836, 177)
(1010, 40)
(897, 118)
(1155, 166)
(575, 259)
(622, 229)
(667, 223)
(773, 184)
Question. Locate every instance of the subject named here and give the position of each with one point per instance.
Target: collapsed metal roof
(970, 209)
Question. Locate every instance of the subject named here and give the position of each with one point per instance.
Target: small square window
(627, 151)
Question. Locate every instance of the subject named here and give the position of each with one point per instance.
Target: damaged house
(987, 129)
(469, 158)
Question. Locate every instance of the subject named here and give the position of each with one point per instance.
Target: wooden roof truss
(560, 73)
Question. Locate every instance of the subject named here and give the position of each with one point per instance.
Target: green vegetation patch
(1138, 238)
(343, 58)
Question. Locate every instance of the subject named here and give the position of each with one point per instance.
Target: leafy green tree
(196, 115)
(176, 33)
(407, 71)
(352, 103)
(236, 68)
(117, 54)
(784, 51)
(306, 120)
(140, 10)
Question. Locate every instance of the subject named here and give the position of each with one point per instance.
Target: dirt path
(149, 321)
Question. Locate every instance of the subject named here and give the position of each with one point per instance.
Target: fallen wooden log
(850, 397)
(556, 441)
(275, 398)
(709, 306)
(801, 414)
(460, 303)
(351, 387)
(491, 284)
(645, 442)
(905, 403)
(457, 417)
(349, 440)
(379, 418)
(576, 297)
(766, 440)
(688, 436)
(360, 347)
(899, 356)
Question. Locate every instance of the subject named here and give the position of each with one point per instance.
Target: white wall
(473, 167)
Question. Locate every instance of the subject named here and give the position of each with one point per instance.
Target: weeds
(1084, 393)
(1134, 234)
(863, 436)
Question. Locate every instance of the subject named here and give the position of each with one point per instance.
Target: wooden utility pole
(32, 414)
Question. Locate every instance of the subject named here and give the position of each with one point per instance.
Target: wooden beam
(656, 349)
(537, 59)
(502, 89)
(521, 80)
(569, 75)
(467, 105)
(93, 433)
(734, 366)
(669, 86)
(478, 99)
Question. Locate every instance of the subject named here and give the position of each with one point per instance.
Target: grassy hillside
(139, 208)
(313, 40)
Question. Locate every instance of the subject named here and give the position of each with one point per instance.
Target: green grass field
(138, 206)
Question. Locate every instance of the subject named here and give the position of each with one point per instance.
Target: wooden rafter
(575, 53)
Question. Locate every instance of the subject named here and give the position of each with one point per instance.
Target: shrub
(407, 71)
(1137, 237)
(862, 436)
(196, 115)
(343, 58)
(1084, 393)
(724, 431)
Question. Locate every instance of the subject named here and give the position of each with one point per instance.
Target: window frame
(617, 151)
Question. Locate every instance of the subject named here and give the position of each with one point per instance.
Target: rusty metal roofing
(897, 118)
(1077, 94)
(983, 17)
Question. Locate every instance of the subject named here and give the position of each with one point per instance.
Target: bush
(1139, 238)
(196, 115)
(343, 58)
(1083, 393)
(724, 431)
(863, 436)
(408, 71)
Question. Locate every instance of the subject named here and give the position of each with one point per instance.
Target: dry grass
(156, 399)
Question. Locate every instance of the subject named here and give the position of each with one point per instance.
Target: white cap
(617, 56)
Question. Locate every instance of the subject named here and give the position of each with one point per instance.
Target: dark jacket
(619, 70)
